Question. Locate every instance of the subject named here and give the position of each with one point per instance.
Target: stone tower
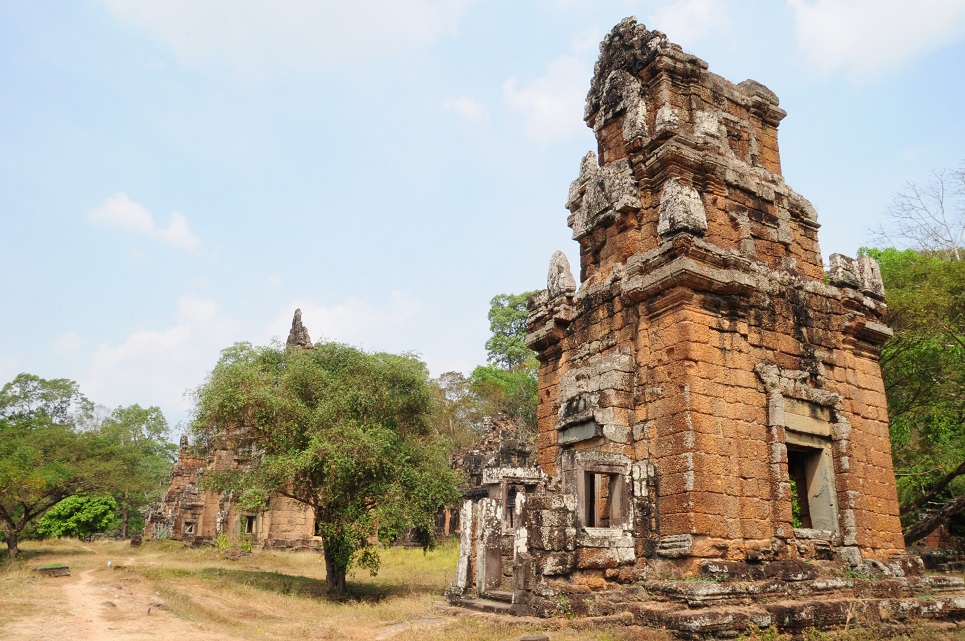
(710, 401)
(708, 392)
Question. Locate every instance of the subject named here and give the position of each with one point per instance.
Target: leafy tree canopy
(47, 450)
(342, 430)
(142, 459)
(506, 347)
(511, 392)
(508, 383)
(459, 411)
(923, 366)
(79, 516)
(57, 401)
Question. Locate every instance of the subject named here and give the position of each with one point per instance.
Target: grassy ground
(272, 595)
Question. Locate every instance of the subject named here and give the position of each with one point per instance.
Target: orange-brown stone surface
(704, 339)
(710, 400)
(192, 513)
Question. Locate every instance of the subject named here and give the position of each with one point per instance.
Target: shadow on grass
(301, 586)
(35, 555)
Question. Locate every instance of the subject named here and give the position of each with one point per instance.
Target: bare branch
(929, 215)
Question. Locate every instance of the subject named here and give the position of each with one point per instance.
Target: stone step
(483, 605)
(499, 595)
(793, 616)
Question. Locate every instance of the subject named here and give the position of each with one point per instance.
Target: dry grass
(915, 633)
(25, 593)
(271, 595)
(277, 595)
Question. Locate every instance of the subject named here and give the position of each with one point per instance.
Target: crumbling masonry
(710, 400)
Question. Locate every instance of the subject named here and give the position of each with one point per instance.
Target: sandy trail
(93, 610)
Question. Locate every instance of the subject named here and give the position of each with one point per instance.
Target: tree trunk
(927, 525)
(934, 491)
(125, 515)
(13, 542)
(334, 574)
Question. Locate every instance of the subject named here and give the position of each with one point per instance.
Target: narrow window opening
(811, 476)
(249, 524)
(509, 505)
(797, 464)
(189, 527)
(599, 489)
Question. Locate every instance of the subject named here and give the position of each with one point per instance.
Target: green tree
(142, 459)
(459, 411)
(512, 392)
(48, 451)
(923, 366)
(508, 383)
(506, 347)
(57, 401)
(79, 516)
(339, 429)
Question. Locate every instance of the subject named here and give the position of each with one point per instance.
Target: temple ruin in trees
(192, 513)
(710, 400)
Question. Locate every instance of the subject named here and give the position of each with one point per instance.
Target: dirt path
(94, 610)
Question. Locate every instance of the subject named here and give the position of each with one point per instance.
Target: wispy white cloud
(686, 22)
(467, 109)
(8, 369)
(70, 341)
(121, 211)
(871, 37)
(258, 36)
(552, 104)
(587, 42)
(354, 321)
(156, 366)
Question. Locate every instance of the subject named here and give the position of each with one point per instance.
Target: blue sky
(179, 175)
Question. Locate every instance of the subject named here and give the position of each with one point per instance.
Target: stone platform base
(721, 622)
(718, 610)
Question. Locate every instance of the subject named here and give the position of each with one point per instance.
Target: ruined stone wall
(704, 340)
(192, 513)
